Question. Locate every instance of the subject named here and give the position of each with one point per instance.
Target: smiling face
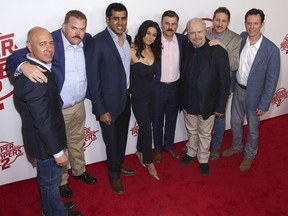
(220, 23)
(117, 22)
(253, 25)
(150, 36)
(40, 44)
(196, 34)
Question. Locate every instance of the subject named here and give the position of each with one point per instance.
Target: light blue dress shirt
(75, 83)
(124, 52)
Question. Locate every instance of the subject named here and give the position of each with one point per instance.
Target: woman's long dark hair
(155, 47)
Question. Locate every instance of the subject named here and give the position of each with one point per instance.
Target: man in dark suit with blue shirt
(69, 67)
(256, 81)
(108, 72)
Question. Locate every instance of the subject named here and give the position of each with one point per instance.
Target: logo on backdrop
(7, 46)
(284, 45)
(279, 96)
(134, 129)
(90, 136)
(8, 154)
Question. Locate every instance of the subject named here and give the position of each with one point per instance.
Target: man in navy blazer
(108, 71)
(43, 125)
(256, 81)
(166, 91)
(68, 65)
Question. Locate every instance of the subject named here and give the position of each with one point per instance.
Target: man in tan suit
(230, 41)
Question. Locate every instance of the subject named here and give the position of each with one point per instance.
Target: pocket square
(261, 62)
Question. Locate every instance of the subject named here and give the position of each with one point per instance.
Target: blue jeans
(219, 128)
(49, 177)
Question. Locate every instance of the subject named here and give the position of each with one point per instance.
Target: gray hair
(195, 20)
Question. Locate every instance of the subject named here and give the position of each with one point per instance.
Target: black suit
(43, 125)
(213, 80)
(205, 82)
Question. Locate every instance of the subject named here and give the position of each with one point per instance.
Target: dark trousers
(115, 139)
(143, 110)
(166, 108)
(49, 177)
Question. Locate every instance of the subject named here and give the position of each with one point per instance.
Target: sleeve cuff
(59, 154)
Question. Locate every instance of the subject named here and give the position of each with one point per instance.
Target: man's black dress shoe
(204, 169)
(186, 160)
(74, 213)
(117, 186)
(87, 178)
(125, 171)
(65, 191)
(69, 205)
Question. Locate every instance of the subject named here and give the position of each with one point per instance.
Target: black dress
(143, 96)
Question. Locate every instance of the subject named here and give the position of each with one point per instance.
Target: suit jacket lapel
(111, 44)
(227, 37)
(259, 58)
(60, 50)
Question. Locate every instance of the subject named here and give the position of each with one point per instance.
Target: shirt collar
(163, 39)
(257, 44)
(217, 36)
(47, 66)
(67, 44)
(114, 36)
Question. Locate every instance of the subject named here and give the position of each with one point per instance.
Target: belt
(169, 83)
(242, 86)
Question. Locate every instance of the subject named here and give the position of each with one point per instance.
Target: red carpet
(263, 191)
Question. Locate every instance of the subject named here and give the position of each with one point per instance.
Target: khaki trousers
(199, 136)
(74, 118)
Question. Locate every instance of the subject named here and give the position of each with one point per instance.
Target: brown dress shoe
(126, 171)
(246, 164)
(117, 186)
(172, 153)
(158, 157)
(215, 154)
(230, 152)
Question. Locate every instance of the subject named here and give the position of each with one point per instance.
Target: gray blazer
(232, 42)
(263, 76)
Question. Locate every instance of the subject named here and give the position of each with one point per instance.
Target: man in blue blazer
(166, 88)
(108, 73)
(68, 65)
(256, 81)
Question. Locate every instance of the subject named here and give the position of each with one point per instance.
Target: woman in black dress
(145, 57)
